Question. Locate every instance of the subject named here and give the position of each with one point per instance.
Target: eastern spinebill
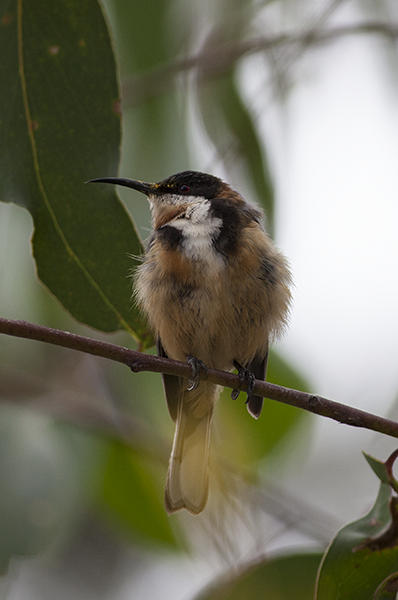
(216, 292)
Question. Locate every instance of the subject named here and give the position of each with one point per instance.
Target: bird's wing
(259, 369)
(172, 385)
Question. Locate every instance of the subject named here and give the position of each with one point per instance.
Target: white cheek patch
(199, 229)
(199, 212)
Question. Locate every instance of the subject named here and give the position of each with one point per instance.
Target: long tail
(187, 484)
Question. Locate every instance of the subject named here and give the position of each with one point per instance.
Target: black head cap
(191, 183)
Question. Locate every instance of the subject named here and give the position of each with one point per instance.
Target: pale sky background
(339, 192)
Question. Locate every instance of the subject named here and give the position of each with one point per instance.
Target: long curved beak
(149, 189)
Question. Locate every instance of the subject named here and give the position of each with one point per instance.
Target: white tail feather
(187, 483)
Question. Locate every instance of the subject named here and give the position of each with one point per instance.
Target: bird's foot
(244, 375)
(197, 366)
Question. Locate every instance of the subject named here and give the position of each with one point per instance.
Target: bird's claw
(197, 366)
(235, 394)
(244, 375)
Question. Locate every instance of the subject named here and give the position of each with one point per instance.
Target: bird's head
(203, 208)
(186, 194)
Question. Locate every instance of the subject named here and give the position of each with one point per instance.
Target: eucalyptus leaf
(60, 126)
(363, 554)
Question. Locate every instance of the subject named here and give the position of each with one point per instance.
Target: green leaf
(363, 554)
(133, 499)
(60, 126)
(246, 439)
(283, 578)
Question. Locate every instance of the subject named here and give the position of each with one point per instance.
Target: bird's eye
(184, 188)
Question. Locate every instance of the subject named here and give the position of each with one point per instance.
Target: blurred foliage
(180, 66)
(131, 496)
(46, 471)
(155, 142)
(246, 440)
(231, 128)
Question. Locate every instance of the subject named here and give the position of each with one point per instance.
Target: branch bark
(138, 361)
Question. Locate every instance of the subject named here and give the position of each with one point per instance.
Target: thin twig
(138, 361)
(223, 56)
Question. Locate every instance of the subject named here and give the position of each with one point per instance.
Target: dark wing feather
(172, 385)
(259, 369)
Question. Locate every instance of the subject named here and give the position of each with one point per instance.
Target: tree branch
(221, 57)
(137, 361)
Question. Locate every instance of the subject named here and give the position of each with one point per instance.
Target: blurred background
(294, 103)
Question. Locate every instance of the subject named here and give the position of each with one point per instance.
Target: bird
(216, 292)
